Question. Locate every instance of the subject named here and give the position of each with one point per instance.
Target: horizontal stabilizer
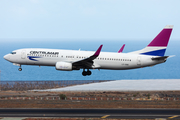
(160, 58)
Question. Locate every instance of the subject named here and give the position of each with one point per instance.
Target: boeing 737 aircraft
(68, 60)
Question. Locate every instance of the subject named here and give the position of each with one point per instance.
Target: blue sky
(87, 19)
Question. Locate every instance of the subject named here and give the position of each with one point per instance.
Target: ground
(96, 99)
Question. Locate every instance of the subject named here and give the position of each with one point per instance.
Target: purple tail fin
(162, 39)
(157, 47)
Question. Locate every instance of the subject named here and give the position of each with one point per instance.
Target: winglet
(121, 50)
(98, 51)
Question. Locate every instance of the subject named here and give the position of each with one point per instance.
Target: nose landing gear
(84, 73)
(20, 69)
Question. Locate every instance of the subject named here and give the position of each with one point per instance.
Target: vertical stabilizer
(157, 47)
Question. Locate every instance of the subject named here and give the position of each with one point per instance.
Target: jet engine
(64, 66)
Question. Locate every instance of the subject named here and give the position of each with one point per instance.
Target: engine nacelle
(65, 66)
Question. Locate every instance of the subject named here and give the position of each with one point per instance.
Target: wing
(88, 62)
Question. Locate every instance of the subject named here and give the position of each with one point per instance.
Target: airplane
(68, 60)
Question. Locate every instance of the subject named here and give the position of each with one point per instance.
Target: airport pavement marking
(173, 116)
(105, 116)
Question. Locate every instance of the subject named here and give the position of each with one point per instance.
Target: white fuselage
(106, 60)
(68, 60)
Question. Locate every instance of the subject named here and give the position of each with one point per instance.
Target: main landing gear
(84, 73)
(20, 69)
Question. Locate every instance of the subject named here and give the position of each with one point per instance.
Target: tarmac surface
(93, 113)
(126, 85)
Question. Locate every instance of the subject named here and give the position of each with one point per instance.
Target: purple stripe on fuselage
(162, 38)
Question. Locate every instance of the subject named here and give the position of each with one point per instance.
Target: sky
(87, 19)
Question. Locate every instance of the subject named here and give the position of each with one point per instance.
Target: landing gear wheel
(84, 73)
(88, 72)
(20, 69)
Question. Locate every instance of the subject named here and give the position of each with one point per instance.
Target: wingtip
(121, 49)
(98, 50)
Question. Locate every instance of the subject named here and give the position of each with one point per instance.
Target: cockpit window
(13, 52)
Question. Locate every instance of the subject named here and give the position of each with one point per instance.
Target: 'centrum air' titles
(44, 52)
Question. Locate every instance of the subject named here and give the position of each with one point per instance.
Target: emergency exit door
(138, 60)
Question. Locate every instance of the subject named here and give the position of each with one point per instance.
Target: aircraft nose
(7, 57)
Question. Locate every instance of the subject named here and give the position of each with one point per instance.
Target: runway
(125, 85)
(93, 113)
